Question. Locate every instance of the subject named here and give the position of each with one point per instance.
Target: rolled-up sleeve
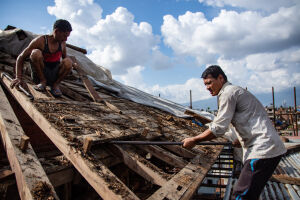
(227, 105)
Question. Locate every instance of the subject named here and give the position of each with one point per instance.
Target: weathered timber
(164, 155)
(26, 166)
(281, 178)
(77, 48)
(24, 142)
(180, 151)
(70, 93)
(87, 83)
(94, 139)
(202, 119)
(105, 183)
(133, 161)
(185, 183)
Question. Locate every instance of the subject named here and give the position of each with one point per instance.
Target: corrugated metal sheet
(289, 165)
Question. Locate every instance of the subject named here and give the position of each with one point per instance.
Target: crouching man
(48, 59)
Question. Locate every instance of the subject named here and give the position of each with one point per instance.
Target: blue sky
(163, 46)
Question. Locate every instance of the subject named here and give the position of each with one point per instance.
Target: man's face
(214, 85)
(61, 36)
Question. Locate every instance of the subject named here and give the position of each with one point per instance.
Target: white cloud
(133, 77)
(254, 50)
(267, 5)
(115, 42)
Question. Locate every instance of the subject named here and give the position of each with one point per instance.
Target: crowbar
(20, 87)
(166, 143)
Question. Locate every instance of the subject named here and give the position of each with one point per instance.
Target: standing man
(262, 147)
(48, 59)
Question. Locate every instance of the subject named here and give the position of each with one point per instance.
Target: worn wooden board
(25, 164)
(97, 174)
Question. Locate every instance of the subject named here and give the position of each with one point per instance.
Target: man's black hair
(214, 71)
(62, 25)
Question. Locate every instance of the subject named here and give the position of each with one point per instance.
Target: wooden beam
(202, 119)
(5, 173)
(105, 183)
(88, 85)
(28, 170)
(164, 155)
(281, 178)
(77, 48)
(186, 182)
(94, 139)
(24, 142)
(133, 161)
(70, 93)
(180, 151)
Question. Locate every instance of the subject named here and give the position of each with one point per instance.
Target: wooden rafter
(165, 156)
(105, 183)
(28, 174)
(133, 161)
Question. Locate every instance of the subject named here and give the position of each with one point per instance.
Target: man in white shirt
(262, 147)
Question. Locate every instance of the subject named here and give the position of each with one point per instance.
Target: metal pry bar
(166, 143)
(20, 87)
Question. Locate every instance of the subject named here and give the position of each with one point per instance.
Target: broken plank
(87, 83)
(186, 182)
(132, 160)
(28, 170)
(164, 155)
(94, 139)
(105, 183)
(202, 119)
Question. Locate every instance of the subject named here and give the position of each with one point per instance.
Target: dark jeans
(253, 177)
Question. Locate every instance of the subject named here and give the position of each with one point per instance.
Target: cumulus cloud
(267, 5)
(254, 50)
(115, 42)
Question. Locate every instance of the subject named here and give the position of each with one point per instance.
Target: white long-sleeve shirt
(255, 131)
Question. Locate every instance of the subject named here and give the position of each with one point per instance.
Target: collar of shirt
(223, 88)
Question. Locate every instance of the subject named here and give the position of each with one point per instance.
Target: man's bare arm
(191, 142)
(36, 43)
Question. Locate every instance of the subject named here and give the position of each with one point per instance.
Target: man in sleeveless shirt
(48, 59)
(262, 147)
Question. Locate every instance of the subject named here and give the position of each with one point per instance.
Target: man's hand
(236, 143)
(16, 82)
(189, 143)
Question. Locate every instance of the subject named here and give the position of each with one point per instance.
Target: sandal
(56, 92)
(39, 87)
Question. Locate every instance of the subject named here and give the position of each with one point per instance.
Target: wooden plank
(282, 178)
(202, 119)
(133, 161)
(70, 93)
(94, 139)
(5, 173)
(77, 48)
(180, 151)
(28, 170)
(186, 182)
(105, 183)
(87, 83)
(164, 155)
